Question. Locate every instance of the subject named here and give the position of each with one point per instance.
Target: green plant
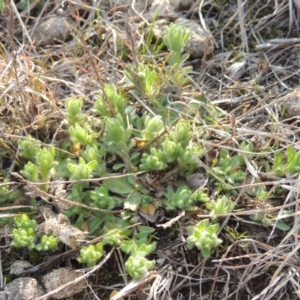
(121, 154)
(91, 254)
(152, 44)
(233, 234)
(81, 135)
(268, 219)
(28, 148)
(204, 236)
(137, 264)
(182, 134)
(174, 149)
(45, 162)
(146, 81)
(200, 196)
(272, 219)
(117, 102)
(153, 161)
(43, 166)
(115, 236)
(74, 110)
(175, 39)
(81, 169)
(2, 5)
(48, 243)
(25, 233)
(116, 138)
(23, 4)
(6, 193)
(228, 169)
(221, 206)
(95, 153)
(181, 199)
(292, 164)
(259, 192)
(153, 126)
(102, 199)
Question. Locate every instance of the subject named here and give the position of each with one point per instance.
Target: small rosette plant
(25, 236)
(42, 168)
(48, 243)
(204, 236)
(25, 233)
(91, 254)
(175, 39)
(181, 199)
(228, 169)
(74, 110)
(137, 264)
(221, 206)
(290, 166)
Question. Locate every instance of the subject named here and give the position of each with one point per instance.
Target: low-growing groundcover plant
(118, 157)
(25, 235)
(86, 156)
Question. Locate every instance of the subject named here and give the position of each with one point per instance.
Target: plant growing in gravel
(204, 236)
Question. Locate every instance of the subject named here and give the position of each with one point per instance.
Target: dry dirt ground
(246, 60)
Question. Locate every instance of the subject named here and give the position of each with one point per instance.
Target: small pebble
(196, 181)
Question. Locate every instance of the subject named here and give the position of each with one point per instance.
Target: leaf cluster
(204, 236)
(26, 235)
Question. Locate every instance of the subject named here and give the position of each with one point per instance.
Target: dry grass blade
(2, 280)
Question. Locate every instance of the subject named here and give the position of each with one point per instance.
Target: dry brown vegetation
(246, 65)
